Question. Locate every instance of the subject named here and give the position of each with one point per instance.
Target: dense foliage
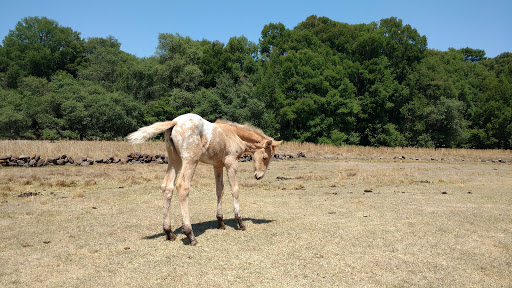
(373, 84)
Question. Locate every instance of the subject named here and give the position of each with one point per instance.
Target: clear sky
(479, 24)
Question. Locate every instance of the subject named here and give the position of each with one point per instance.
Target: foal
(190, 139)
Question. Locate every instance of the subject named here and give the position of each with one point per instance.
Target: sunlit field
(342, 216)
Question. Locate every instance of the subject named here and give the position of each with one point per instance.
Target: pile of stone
(138, 158)
(35, 160)
(277, 156)
(283, 156)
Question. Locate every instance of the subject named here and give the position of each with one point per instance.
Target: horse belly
(212, 153)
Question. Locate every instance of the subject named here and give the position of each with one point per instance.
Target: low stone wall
(35, 160)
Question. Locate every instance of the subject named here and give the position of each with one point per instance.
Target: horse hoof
(243, 228)
(220, 221)
(194, 243)
(170, 236)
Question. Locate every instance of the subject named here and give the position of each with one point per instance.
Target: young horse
(190, 139)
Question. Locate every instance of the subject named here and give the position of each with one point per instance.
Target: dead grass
(93, 149)
(359, 152)
(419, 223)
(103, 149)
(424, 223)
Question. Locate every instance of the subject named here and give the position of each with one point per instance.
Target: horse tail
(145, 133)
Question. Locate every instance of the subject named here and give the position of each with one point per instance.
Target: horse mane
(246, 126)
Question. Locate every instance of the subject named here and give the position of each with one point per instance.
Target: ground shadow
(201, 227)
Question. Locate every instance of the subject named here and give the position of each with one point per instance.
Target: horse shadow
(201, 227)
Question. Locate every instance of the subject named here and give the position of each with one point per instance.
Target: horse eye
(264, 157)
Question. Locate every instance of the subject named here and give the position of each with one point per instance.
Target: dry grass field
(349, 217)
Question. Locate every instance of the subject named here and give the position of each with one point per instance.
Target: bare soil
(335, 219)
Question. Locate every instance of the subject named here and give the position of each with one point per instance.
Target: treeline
(323, 81)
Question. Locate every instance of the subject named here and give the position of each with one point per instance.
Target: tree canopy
(323, 81)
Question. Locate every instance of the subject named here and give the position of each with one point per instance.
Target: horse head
(262, 157)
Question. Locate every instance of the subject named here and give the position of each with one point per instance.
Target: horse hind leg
(219, 183)
(183, 187)
(167, 188)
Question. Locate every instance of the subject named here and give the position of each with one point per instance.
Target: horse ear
(276, 143)
(268, 143)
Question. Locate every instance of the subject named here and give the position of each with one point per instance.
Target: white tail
(145, 133)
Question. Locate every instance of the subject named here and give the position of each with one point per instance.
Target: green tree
(181, 58)
(403, 46)
(145, 80)
(39, 47)
(214, 62)
(492, 113)
(273, 39)
(242, 54)
(105, 64)
(13, 120)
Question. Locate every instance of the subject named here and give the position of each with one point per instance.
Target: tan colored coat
(191, 139)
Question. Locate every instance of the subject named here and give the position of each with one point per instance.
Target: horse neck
(250, 138)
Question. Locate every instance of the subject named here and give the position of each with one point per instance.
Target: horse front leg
(219, 187)
(233, 182)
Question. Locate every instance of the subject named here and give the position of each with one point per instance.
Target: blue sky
(480, 24)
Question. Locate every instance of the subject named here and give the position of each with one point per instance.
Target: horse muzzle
(259, 175)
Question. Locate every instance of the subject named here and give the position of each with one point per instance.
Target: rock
(28, 194)
(246, 157)
(280, 156)
(24, 157)
(5, 157)
(41, 162)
